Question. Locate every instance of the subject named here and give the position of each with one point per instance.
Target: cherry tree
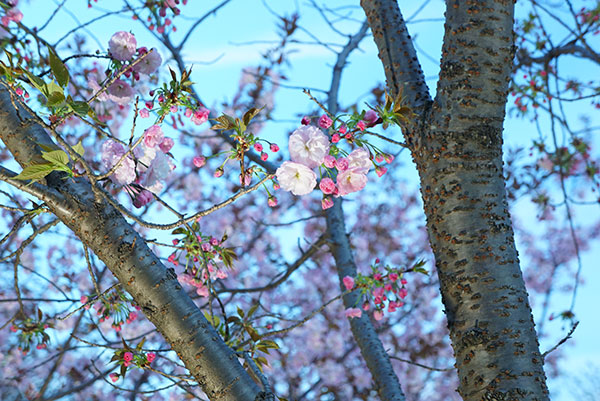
(160, 247)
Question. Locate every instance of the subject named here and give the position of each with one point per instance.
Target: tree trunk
(456, 143)
(153, 287)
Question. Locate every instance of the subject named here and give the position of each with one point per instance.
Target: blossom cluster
(309, 148)
(12, 13)
(146, 167)
(130, 357)
(206, 258)
(113, 306)
(386, 290)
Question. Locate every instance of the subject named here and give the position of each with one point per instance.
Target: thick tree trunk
(153, 287)
(456, 143)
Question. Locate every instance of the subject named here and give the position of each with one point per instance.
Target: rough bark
(457, 147)
(153, 286)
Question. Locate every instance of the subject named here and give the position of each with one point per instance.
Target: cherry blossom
(111, 153)
(122, 46)
(325, 122)
(149, 64)
(120, 92)
(153, 136)
(351, 180)
(296, 177)
(308, 145)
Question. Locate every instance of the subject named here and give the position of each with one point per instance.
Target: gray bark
(456, 143)
(153, 286)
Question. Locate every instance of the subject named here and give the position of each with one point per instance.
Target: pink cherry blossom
(128, 356)
(142, 198)
(199, 161)
(158, 171)
(342, 164)
(272, 201)
(371, 117)
(325, 122)
(111, 153)
(378, 315)
(348, 282)
(122, 46)
(153, 136)
(274, 148)
(166, 144)
(349, 181)
(388, 158)
(327, 185)
(149, 64)
(114, 377)
(361, 125)
(144, 113)
(380, 170)
(296, 177)
(200, 116)
(326, 203)
(335, 138)
(360, 159)
(308, 145)
(402, 292)
(258, 147)
(13, 14)
(120, 92)
(329, 161)
(305, 120)
(150, 356)
(353, 312)
(393, 277)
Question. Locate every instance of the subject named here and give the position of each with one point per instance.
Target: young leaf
(80, 107)
(250, 114)
(79, 148)
(57, 157)
(55, 99)
(35, 172)
(58, 69)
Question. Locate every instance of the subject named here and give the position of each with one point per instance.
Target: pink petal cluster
(348, 282)
(199, 116)
(353, 171)
(120, 92)
(122, 46)
(353, 312)
(111, 153)
(12, 14)
(296, 177)
(308, 145)
(153, 136)
(149, 64)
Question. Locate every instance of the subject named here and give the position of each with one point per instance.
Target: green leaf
(80, 107)
(57, 157)
(47, 148)
(37, 82)
(141, 344)
(252, 310)
(179, 230)
(253, 334)
(55, 99)
(35, 172)
(58, 69)
(250, 114)
(79, 148)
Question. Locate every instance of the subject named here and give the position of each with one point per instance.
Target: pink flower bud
(335, 138)
(329, 161)
(325, 122)
(305, 120)
(326, 203)
(348, 282)
(199, 161)
(272, 201)
(361, 125)
(274, 148)
(150, 356)
(258, 147)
